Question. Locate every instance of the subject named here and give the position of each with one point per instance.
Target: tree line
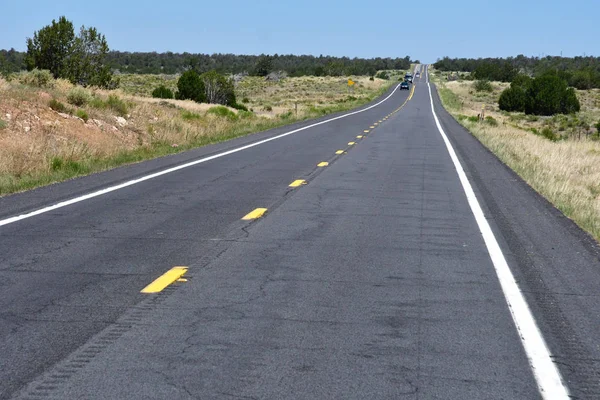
(579, 72)
(174, 63)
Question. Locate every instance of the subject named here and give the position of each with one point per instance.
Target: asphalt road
(372, 280)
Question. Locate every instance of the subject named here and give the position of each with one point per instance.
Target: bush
(549, 95)
(78, 96)
(162, 92)
(239, 106)
(473, 118)
(268, 108)
(245, 100)
(37, 77)
(383, 75)
(491, 121)
(83, 115)
(218, 89)
(549, 134)
(117, 105)
(372, 78)
(598, 127)
(191, 87)
(512, 99)
(483, 86)
(286, 115)
(222, 112)
(3, 124)
(58, 106)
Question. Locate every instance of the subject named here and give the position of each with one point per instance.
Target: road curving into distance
(382, 253)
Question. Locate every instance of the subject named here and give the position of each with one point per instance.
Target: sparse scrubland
(558, 155)
(52, 130)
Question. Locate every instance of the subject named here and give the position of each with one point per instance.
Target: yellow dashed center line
(372, 127)
(298, 182)
(366, 131)
(339, 152)
(257, 213)
(359, 137)
(323, 164)
(165, 280)
(351, 143)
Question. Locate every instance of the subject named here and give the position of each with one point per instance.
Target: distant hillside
(171, 63)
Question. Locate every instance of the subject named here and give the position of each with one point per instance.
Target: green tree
(218, 89)
(263, 66)
(80, 59)
(190, 86)
(87, 64)
(549, 95)
(50, 47)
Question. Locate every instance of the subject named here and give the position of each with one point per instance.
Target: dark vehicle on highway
(408, 77)
(404, 85)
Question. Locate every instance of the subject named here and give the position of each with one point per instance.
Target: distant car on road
(417, 75)
(404, 85)
(408, 77)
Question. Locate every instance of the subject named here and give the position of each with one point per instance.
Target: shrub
(162, 92)
(3, 124)
(78, 96)
(598, 127)
(239, 106)
(549, 134)
(117, 105)
(491, 121)
(549, 95)
(473, 118)
(37, 77)
(383, 75)
(58, 106)
(483, 86)
(218, 89)
(372, 78)
(222, 112)
(512, 99)
(83, 115)
(268, 108)
(245, 114)
(191, 87)
(245, 100)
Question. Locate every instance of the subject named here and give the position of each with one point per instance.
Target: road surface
(373, 278)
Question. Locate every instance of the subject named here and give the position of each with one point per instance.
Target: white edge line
(65, 203)
(547, 376)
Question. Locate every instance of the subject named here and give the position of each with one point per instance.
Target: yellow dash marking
(372, 127)
(359, 137)
(181, 280)
(366, 131)
(339, 152)
(298, 182)
(376, 123)
(380, 121)
(323, 164)
(351, 143)
(165, 280)
(255, 214)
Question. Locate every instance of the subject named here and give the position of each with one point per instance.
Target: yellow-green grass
(565, 171)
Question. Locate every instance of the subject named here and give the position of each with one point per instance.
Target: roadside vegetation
(553, 146)
(52, 130)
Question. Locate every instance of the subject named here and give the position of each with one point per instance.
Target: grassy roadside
(557, 156)
(40, 145)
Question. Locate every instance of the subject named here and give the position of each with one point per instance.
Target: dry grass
(39, 145)
(566, 171)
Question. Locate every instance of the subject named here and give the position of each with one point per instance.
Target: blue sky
(423, 30)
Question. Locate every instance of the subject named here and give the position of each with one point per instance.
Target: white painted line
(62, 204)
(546, 374)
